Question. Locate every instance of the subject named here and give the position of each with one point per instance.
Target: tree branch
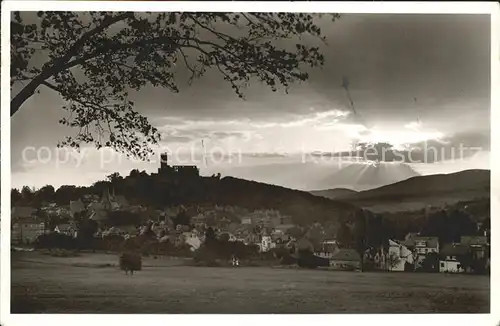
(52, 87)
(57, 65)
(250, 22)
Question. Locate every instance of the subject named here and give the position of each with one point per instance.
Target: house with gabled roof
(66, 228)
(479, 246)
(328, 249)
(398, 256)
(20, 212)
(192, 239)
(474, 240)
(76, 207)
(424, 246)
(450, 255)
(346, 259)
(26, 230)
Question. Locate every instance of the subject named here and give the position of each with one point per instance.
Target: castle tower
(164, 161)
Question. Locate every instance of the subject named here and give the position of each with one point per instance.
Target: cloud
(253, 134)
(177, 139)
(193, 134)
(232, 134)
(479, 139)
(265, 155)
(457, 147)
(414, 125)
(289, 120)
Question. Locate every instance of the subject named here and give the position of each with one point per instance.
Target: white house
(328, 249)
(449, 261)
(65, 228)
(193, 240)
(246, 220)
(76, 207)
(425, 246)
(267, 243)
(397, 256)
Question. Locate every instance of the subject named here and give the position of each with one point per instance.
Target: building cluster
(414, 252)
(264, 228)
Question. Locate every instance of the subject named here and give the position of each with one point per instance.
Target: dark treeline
(155, 192)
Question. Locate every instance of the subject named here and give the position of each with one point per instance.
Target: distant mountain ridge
(435, 183)
(310, 176)
(363, 176)
(333, 193)
(418, 192)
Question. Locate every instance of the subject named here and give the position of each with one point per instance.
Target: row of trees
(46, 194)
(138, 187)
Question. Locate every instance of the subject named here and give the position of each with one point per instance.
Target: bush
(55, 240)
(288, 260)
(113, 243)
(90, 243)
(430, 264)
(308, 260)
(183, 250)
(268, 255)
(130, 261)
(205, 257)
(409, 267)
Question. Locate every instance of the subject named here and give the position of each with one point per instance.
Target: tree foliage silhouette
(121, 218)
(15, 196)
(182, 218)
(94, 59)
(344, 235)
(46, 193)
(431, 262)
(27, 193)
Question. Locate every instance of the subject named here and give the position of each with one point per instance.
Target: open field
(92, 283)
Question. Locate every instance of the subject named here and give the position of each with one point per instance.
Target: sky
(413, 78)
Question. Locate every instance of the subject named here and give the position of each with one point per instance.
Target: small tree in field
(94, 59)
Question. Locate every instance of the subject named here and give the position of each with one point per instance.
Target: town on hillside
(450, 239)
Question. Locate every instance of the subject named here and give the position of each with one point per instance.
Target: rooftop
(431, 242)
(22, 211)
(474, 240)
(454, 250)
